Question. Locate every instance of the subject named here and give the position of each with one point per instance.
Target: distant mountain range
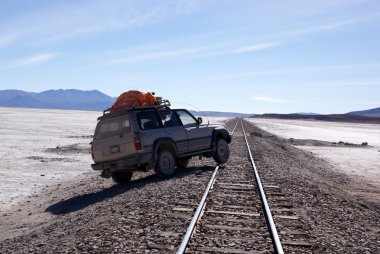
(56, 99)
(306, 113)
(95, 100)
(75, 99)
(375, 112)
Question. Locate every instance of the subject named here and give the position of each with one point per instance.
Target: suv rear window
(112, 127)
(149, 120)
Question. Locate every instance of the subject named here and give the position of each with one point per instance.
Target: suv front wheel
(165, 165)
(222, 153)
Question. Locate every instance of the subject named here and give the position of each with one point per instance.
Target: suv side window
(148, 120)
(169, 118)
(186, 118)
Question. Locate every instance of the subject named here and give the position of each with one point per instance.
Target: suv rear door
(151, 127)
(199, 136)
(174, 129)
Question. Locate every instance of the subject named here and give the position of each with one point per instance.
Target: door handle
(170, 133)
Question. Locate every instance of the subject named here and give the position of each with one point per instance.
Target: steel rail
(232, 132)
(268, 215)
(197, 214)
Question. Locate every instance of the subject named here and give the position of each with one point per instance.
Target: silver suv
(155, 137)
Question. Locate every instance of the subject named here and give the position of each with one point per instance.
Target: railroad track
(233, 215)
(236, 218)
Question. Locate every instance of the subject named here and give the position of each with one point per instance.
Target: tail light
(137, 142)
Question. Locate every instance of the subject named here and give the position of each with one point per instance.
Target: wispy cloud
(254, 47)
(200, 52)
(311, 27)
(80, 18)
(33, 60)
(302, 70)
(220, 51)
(157, 55)
(268, 99)
(325, 27)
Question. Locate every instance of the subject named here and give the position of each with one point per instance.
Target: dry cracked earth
(93, 215)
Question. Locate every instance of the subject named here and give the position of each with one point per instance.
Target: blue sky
(244, 56)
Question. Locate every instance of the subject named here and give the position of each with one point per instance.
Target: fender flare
(220, 133)
(158, 142)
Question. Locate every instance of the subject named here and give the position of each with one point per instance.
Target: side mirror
(200, 120)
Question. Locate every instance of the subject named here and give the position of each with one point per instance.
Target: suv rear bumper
(131, 163)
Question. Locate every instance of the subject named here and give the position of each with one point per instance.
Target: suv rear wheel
(165, 165)
(121, 177)
(222, 153)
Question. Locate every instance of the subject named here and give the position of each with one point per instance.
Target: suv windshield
(112, 127)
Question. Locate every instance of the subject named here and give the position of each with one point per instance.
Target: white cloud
(310, 27)
(325, 27)
(80, 18)
(34, 60)
(268, 99)
(192, 52)
(254, 47)
(157, 55)
(222, 51)
(312, 69)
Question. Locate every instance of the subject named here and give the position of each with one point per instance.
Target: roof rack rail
(163, 104)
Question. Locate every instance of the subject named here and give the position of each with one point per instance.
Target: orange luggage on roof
(132, 99)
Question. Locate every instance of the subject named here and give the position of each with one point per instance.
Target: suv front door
(199, 136)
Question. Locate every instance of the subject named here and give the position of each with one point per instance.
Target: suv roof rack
(164, 104)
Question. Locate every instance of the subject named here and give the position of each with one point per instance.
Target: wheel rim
(222, 150)
(165, 163)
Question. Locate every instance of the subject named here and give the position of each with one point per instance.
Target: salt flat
(363, 162)
(40, 147)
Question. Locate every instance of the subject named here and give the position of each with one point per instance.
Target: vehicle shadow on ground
(79, 202)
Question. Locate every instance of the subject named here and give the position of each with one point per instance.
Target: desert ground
(52, 202)
(42, 147)
(347, 154)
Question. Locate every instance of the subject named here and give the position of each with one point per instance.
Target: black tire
(121, 177)
(183, 162)
(222, 153)
(165, 165)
